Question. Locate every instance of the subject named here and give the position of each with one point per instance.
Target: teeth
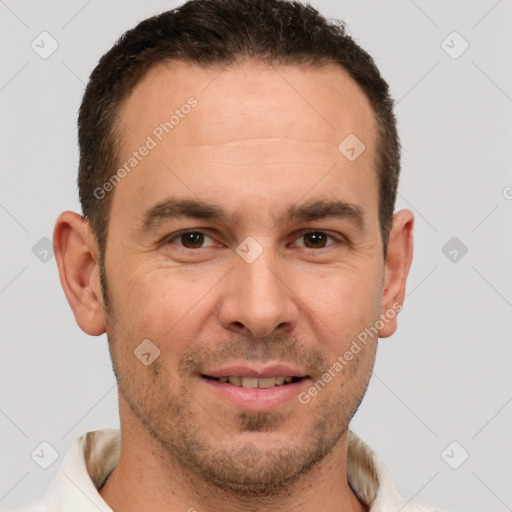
(236, 381)
(266, 382)
(249, 382)
(253, 382)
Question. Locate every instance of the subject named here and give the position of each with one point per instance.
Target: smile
(257, 394)
(255, 382)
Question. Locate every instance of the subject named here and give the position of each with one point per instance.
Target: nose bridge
(261, 279)
(257, 299)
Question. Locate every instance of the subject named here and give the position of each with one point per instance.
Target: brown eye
(315, 239)
(192, 240)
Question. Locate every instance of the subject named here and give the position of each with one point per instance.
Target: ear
(77, 256)
(396, 270)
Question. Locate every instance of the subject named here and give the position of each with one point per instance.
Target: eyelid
(337, 238)
(168, 239)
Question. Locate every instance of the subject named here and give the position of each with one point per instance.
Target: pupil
(192, 240)
(315, 239)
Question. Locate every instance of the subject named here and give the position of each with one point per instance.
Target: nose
(258, 299)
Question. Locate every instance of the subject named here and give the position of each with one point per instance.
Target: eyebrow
(324, 209)
(173, 208)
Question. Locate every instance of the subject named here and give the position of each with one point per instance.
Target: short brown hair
(220, 32)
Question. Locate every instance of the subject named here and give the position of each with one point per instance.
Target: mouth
(256, 388)
(255, 382)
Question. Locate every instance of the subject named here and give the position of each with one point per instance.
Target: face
(244, 245)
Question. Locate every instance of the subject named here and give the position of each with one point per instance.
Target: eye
(315, 240)
(191, 240)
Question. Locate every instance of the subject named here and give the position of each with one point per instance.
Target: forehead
(314, 103)
(253, 129)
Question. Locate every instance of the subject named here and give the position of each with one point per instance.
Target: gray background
(443, 377)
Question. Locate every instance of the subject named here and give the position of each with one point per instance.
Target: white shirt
(93, 455)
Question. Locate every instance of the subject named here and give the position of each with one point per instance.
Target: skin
(260, 140)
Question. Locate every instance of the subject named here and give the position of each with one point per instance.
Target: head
(267, 134)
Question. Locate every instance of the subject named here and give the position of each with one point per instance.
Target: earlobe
(77, 256)
(398, 263)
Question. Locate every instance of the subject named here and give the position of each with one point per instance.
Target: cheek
(340, 306)
(163, 305)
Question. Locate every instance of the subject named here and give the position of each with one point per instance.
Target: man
(239, 162)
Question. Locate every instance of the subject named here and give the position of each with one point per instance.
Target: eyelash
(179, 234)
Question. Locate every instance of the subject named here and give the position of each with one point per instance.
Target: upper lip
(245, 370)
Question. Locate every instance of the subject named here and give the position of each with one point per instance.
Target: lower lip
(257, 399)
